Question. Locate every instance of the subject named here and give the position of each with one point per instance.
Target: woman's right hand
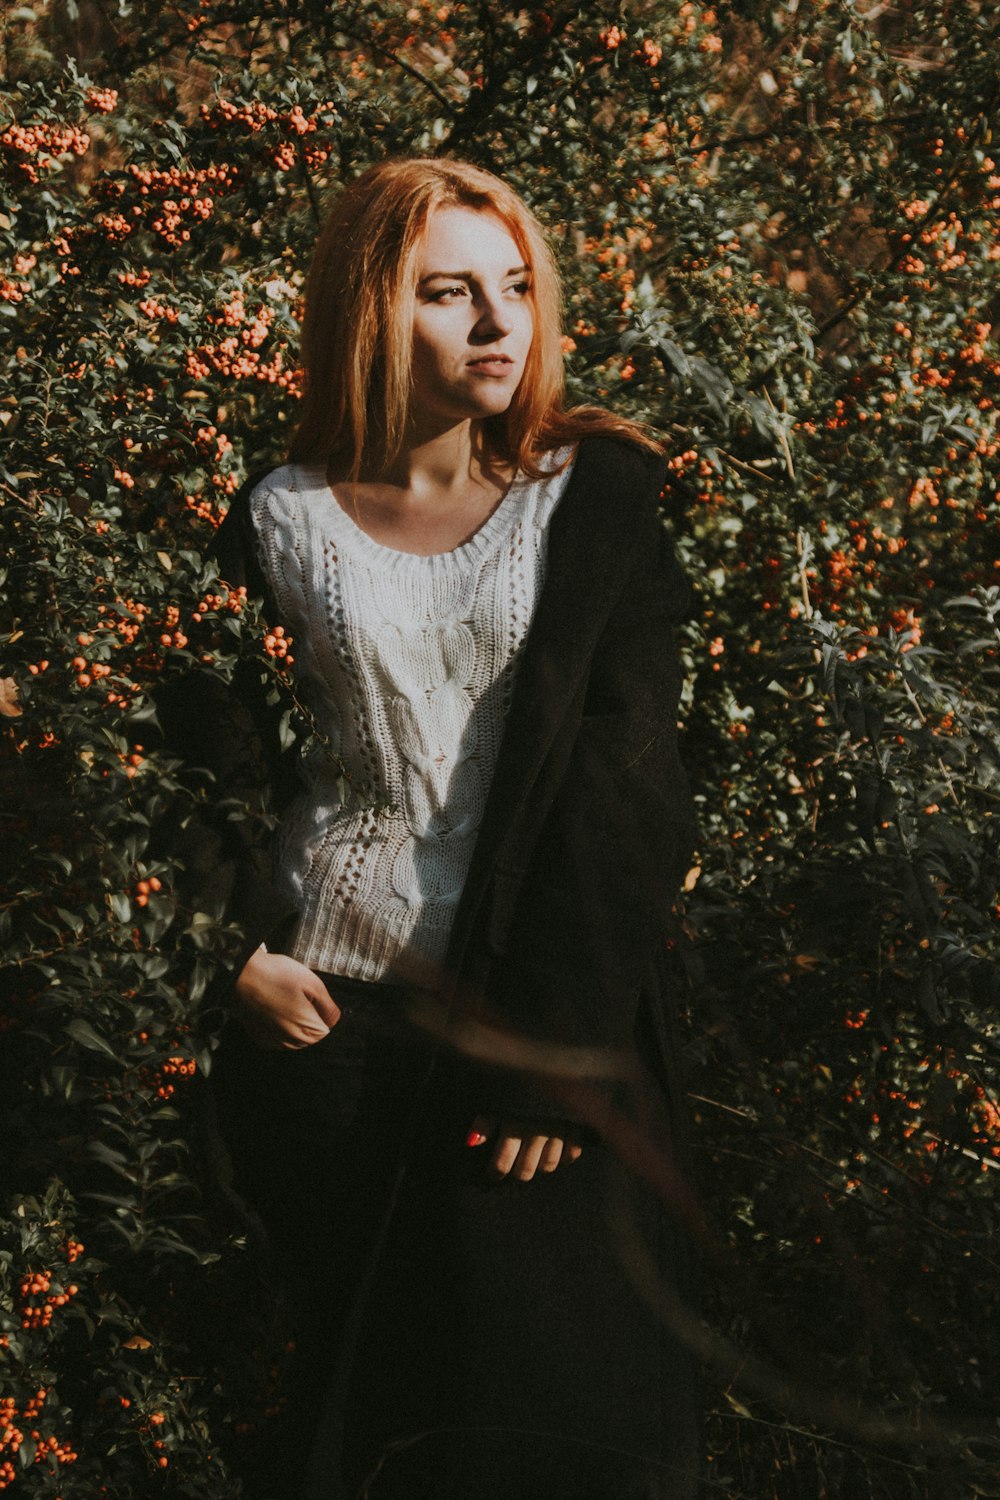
(282, 1004)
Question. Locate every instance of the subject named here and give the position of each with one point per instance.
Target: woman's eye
(522, 288)
(448, 294)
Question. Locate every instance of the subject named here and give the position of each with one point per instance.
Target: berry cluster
(294, 124)
(29, 150)
(39, 1301)
(164, 1079)
(16, 1425)
(276, 644)
(102, 101)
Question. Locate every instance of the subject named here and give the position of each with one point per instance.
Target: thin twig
(782, 436)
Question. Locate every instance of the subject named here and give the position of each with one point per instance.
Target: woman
(447, 1008)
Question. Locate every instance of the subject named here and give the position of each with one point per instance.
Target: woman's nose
(494, 317)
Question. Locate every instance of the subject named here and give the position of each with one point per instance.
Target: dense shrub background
(778, 225)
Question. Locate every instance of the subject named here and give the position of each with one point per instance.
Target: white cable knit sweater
(408, 664)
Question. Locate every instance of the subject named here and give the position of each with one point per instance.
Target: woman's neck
(439, 463)
(432, 497)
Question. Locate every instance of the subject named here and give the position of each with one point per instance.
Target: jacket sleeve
(228, 729)
(615, 843)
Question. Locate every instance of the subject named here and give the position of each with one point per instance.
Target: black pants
(457, 1338)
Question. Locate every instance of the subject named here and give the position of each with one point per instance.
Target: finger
(306, 1033)
(551, 1155)
(298, 1039)
(573, 1151)
(505, 1154)
(275, 1039)
(480, 1131)
(529, 1156)
(323, 1003)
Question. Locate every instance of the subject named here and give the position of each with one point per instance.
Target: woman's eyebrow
(468, 275)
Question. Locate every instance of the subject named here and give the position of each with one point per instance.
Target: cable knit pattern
(408, 664)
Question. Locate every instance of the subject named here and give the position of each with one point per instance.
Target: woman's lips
(493, 364)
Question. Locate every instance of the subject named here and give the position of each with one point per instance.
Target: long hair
(358, 325)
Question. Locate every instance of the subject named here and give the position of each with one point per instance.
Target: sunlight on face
(473, 321)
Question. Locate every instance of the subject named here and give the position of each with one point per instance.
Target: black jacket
(588, 827)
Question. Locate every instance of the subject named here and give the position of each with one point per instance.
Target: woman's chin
(426, 424)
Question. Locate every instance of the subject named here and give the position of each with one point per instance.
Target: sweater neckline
(311, 479)
(360, 543)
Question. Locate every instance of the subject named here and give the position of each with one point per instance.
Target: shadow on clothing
(457, 1338)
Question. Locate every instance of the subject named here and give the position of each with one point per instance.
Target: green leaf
(81, 1031)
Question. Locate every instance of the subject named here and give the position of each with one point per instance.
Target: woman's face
(474, 318)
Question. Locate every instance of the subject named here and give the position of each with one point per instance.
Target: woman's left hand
(520, 1149)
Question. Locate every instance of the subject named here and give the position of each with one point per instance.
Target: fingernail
(475, 1138)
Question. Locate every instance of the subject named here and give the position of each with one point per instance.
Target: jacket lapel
(586, 560)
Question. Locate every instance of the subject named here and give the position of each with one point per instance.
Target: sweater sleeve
(229, 730)
(593, 902)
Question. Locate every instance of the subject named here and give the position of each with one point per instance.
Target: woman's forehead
(475, 236)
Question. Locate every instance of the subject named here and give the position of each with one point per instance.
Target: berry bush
(778, 228)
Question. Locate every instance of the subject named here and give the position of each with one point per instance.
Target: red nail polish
(475, 1138)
